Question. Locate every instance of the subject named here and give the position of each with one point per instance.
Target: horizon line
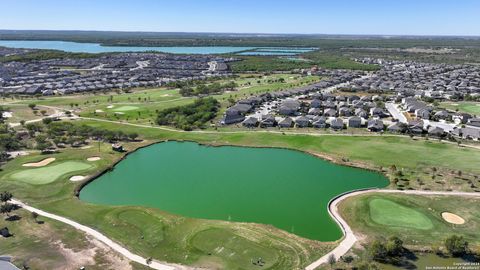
(248, 33)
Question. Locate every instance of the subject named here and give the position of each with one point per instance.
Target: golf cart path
(349, 237)
(113, 245)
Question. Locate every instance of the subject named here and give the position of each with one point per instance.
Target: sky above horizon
(367, 17)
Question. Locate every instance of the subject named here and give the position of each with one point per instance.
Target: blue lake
(97, 48)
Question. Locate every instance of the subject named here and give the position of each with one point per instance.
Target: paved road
(113, 245)
(396, 113)
(349, 237)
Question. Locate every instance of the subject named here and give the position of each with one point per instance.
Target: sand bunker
(99, 111)
(93, 158)
(110, 107)
(86, 147)
(77, 178)
(452, 218)
(42, 163)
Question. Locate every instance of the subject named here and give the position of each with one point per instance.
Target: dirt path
(113, 245)
(349, 237)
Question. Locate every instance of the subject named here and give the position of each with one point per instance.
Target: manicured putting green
(125, 108)
(48, 174)
(390, 213)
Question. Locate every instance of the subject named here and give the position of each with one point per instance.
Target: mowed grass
(221, 243)
(370, 151)
(418, 218)
(50, 173)
(389, 213)
(125, 108)
(463, 106)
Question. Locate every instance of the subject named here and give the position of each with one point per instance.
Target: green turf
(125, 108)
(241, 251)
(390, 213)
(48, 174)
(463, 106)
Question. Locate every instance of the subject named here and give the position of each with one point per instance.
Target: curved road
(113, 245)
(349, 237)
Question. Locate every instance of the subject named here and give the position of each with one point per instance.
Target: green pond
(284, 188)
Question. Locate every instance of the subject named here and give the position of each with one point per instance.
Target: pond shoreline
(324, 157)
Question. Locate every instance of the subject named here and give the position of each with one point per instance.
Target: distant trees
(456, 245)
(207, 89)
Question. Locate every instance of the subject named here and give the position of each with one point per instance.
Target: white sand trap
(110, 107)
(452, 218)
(86, 147)
(99, 111)
(93, 158)
(119, 113)
(166, 95)
(77, 178)
(42, 163)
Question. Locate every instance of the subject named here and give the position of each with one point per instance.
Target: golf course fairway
(287, 189)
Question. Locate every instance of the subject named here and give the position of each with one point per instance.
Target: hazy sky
(395, 17)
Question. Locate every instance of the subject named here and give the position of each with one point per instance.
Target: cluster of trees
(38, 55)
(190, 116)
(330, 60)
(49, 133)
(68, 133)
(6, 207)
(387, 251)
(207, 89)
(392, 251)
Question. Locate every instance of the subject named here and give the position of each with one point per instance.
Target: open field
(462, 106)
(23, 112)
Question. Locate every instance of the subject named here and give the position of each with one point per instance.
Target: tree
(43, 112)
(332, 260)
(32, 106)
(35, 216)
(5, 197)
(132, 136)
(394, 246)
(47, 120)
(7, 208)
(378, 251)
(456, 245)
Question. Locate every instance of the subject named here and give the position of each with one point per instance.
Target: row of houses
(111, 71)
